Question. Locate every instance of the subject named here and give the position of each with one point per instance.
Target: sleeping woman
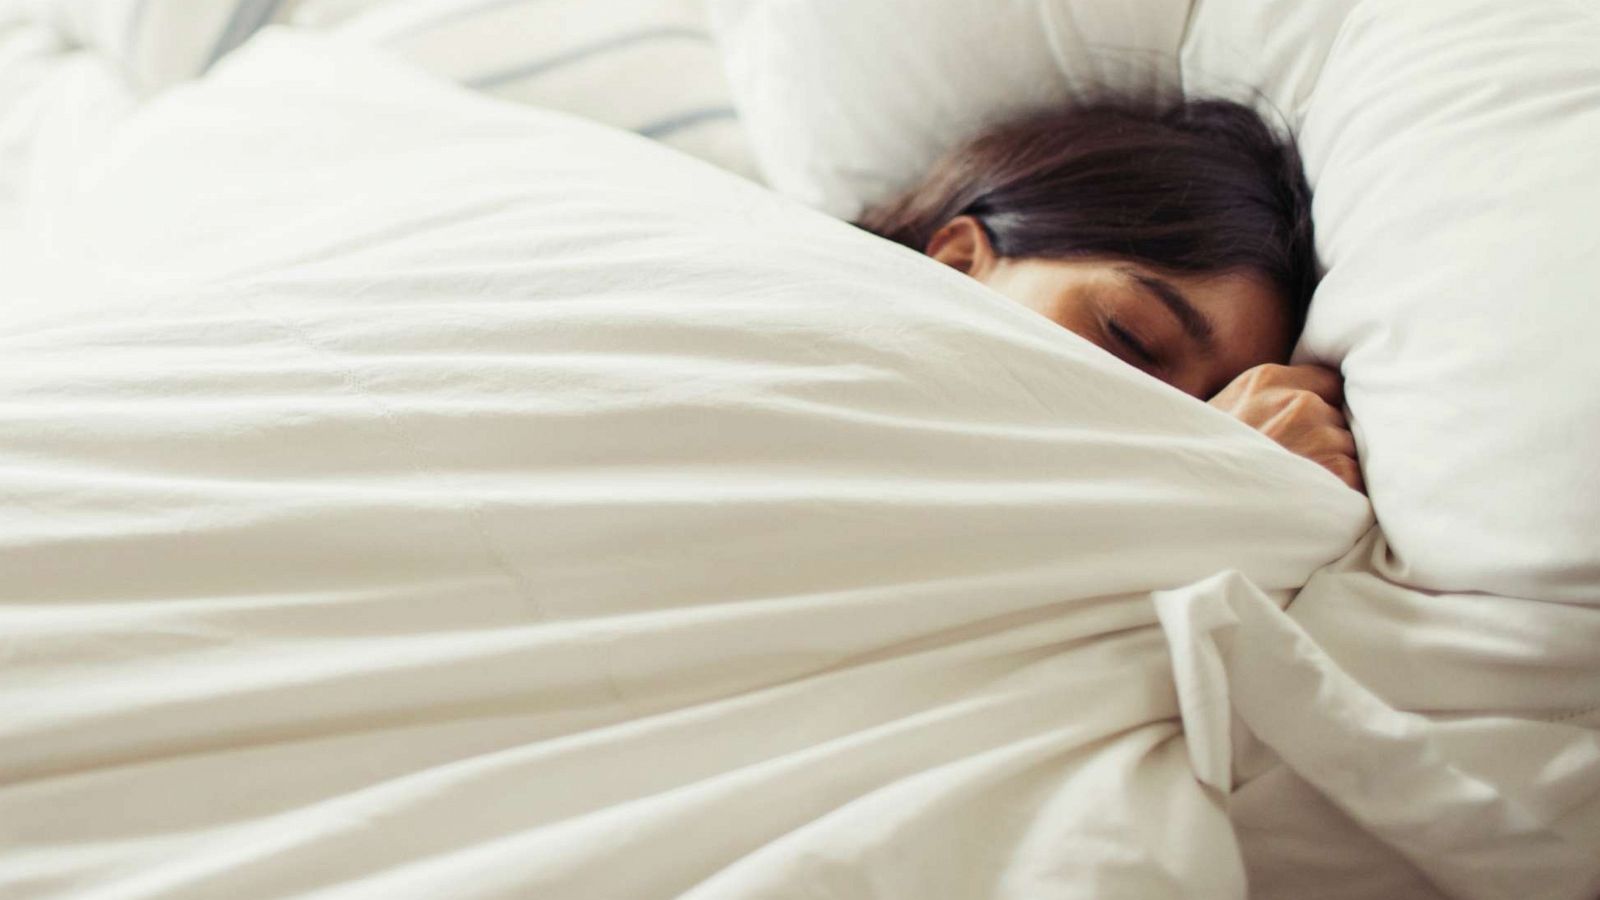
(1176, 237)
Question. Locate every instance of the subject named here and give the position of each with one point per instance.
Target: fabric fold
(1447, 798)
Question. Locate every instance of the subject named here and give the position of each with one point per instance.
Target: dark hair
(1187, 187)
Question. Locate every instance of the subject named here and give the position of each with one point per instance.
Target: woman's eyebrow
(1193, 322)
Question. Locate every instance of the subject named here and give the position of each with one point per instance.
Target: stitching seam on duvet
(1569, 715)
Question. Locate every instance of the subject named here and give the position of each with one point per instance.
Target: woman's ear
(962, 244)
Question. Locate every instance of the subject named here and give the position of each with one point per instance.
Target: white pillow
(643, 65)
(1451, 149)
(845, 101)
(647, 66)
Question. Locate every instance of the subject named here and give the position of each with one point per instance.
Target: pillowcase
(647, 66)
(847, 102)
(1450, 148)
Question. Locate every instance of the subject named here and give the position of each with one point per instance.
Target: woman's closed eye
(1130, 342)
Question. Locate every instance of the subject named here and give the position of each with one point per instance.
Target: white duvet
(412, 496)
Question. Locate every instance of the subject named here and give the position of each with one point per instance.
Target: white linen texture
(1450, 148)
(647, 66)
(411, 494)
(427, 496)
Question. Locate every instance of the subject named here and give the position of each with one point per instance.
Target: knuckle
(1303, 403)
(1345, 468)
(1267, 374)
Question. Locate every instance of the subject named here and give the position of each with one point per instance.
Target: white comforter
(408, 495)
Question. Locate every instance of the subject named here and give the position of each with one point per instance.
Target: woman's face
(1197, 333)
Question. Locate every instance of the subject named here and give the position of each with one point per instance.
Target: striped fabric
(247, 17)
(644, 65)
(648, 66)
(157, 43)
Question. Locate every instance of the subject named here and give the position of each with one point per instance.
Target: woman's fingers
(1297, 406)
(1324, 382)
(1347, 469)
(1271, 378)
(1343, 443)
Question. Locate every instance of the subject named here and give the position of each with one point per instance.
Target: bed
(433, 468)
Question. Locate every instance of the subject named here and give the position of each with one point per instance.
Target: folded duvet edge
(1477, 836)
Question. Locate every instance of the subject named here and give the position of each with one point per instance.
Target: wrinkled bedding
(412, 495)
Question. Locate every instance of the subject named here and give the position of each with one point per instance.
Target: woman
(1176, 237)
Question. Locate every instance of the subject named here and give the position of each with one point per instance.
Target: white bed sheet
(58, 106)
(411, 495)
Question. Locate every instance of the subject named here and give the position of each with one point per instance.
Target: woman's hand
(1297, 406)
